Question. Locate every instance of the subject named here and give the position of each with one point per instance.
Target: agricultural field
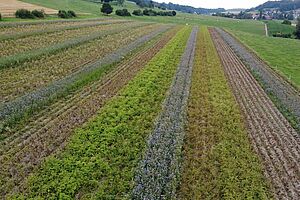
(9, 7)
(189, 107)
(277, 27)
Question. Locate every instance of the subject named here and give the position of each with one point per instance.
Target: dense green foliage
(100, 159)
(150, 12)
(38, 13)
(123, 12)
(24, 14)
(287, 22)
(107, 8)
(297, 32)
(137, 12)
(283, 55)
(66, 14)
(219, 161)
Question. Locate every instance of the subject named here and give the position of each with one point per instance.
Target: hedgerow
(101, 157)
(219, 161)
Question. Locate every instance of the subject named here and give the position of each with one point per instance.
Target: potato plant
(100, 159)
(219, 161)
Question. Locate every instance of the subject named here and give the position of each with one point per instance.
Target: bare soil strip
(158, 172)
(273, 138)
(48, 134)
(287, 98)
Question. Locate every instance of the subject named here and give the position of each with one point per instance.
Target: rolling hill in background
(286, 5)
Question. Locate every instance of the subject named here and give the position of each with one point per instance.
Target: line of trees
(297, 32)
(108, 9)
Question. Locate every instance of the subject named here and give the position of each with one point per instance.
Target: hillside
(9, 7)
(286, 5)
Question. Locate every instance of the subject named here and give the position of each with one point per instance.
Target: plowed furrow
(272, 136)
(26, 150)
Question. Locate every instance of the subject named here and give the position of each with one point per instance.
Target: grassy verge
(219, 162)
(283, 55)
(100, 159)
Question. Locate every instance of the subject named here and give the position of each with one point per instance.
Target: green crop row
(219, 162)
(100, 159)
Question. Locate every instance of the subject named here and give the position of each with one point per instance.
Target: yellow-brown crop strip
(12, 47)
(14, 28)
(218, 160)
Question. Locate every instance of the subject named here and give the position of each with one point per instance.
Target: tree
(297, 32)
(121, 2)
(287, 22)
(107, 9)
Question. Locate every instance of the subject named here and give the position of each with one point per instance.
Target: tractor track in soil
(272, 137)
(26, 149)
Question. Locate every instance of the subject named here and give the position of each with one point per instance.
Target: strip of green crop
(219, 162)
(100, 160)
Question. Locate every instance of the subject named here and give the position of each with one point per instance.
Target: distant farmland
(189, 107)
(9, 7)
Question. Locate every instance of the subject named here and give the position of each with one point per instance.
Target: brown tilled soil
(9, 7)
(23, 152)
(272, 137)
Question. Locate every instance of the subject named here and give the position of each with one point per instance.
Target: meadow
(283, 55)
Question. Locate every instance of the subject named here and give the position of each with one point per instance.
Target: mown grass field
(283, 55)
(276, 26)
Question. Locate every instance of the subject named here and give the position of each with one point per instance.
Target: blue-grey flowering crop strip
(158, 173)
(33, 100)
(284, 95)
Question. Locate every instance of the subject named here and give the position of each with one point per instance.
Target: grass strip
(159, 171)
(16, 60)
(100, 159)
(219, 162)
(15, 111)
(53, 30)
